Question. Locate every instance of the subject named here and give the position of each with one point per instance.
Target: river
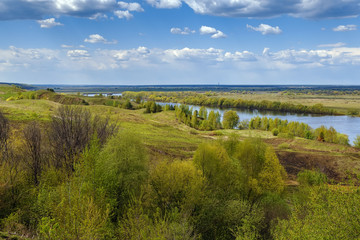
(343, 124)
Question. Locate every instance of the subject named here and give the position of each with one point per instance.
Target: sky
(154, 42)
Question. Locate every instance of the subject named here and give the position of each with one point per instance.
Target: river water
(343, 124)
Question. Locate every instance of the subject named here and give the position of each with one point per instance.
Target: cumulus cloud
(123, 14)
(133, 6)
(314, 9)
(165, 3)
(211, 31)
(49, 23)
(345, 28)
(265, 29)
(97, 38)
(332, 45)
(180, 31)
(219, 34)
(37, 9)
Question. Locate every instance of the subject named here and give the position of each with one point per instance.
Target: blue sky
(180, 42)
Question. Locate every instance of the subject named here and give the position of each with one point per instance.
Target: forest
(75, 167)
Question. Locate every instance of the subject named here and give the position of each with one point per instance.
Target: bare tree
(71, 130)
(104, 128)
(4, 137)
(69, 133)
(32, 148)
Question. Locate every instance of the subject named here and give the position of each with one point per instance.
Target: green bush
(357, 141)
(311, 178)
(284, 146)
(275, 131)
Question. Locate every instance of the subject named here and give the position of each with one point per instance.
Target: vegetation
(225, 102)
(278, 127)
(106, 172)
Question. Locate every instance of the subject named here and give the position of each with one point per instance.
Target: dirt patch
(294, 162)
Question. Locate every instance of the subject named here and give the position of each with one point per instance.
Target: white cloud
(345, 28)
(207, 30)
(180, 31)
(37, 9)
(48, 23)
(219, 34)
(265, 29)
(98, 16)
(133, 6)
(123, 14)
(165, 3)
(332, 45)
(96, 38)
(272, 8)
(314, 9)
(210, 30)
(78, 54)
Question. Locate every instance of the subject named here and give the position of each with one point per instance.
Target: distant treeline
(333, 92)
(171, 88)
(222, 102)
(263, 105)
(283, 128)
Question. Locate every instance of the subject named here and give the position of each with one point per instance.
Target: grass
(7, 91)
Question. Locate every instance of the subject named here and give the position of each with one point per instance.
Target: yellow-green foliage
(216, 165)
(178, 184)
(230, 120)
(272, 176)
(262, 171)
(10, 99)
(137, 224)
(74, 214)
(327, 213)
(122, 168)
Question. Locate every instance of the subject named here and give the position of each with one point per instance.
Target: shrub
(275, 131)
(357, 141)
(311, 178)
(284, 146)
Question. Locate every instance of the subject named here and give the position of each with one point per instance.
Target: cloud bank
(185, 65)
(314, 9)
